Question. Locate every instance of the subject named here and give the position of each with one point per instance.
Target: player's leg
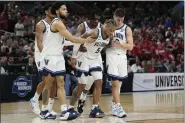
(76, 94)
(113, 75)
(83, 93)
(45, 114)
(123, 75)
(66, 114)
(116, 76)
(98, 77)
(48, 71)
(96, 111)
(82, 75)
(52, 97)
(34, 102)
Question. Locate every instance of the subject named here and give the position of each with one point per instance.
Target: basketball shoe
(70, 114)
(35, 106)
(117, 110)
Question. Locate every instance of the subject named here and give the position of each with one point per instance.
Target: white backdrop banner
(157, 81)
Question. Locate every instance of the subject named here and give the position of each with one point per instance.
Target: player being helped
(90, 63)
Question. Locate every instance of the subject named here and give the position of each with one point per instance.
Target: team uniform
(89, 80)
(37, 52)
(116, 62)
(33, 103)
(53, 63)
(90, 61)
(51, 58)
(116, 59)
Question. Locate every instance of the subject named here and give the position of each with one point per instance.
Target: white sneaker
(120, 112)
(117, 110)
(113, 110)
(35, 106)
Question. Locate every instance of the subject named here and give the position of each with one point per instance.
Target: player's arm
(39, 35)
(60, 27)
(129, 37)
(91, 34)
(109, 44)
(80, 31)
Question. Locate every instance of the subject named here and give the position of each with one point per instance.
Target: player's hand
(73, 62)
(82, 48)
(115, 43)
(90, 40)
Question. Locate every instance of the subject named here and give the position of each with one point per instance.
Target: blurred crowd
(158, 40)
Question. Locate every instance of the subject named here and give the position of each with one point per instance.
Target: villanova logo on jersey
(21, 86)
(119, 35)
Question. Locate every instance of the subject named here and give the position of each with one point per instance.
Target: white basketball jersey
(47, 28)
(86, 30)
(87, 27)
(120, 35)
(94, 49)
(54, 43)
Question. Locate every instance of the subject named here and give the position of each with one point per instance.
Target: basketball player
(116, 60)
(89, 62)
(53, 63)
(42, 28)
(92, 23)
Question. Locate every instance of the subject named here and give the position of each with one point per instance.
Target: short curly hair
(55, 6)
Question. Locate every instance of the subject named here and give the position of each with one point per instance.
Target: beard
(63, 17)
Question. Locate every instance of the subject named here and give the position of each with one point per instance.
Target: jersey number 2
(98, 50)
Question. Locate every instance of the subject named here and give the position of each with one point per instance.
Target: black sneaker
(70, 114)
(96, 113)
(80, 106)
(47, 115)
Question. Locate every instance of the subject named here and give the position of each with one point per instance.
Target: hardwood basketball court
(141, 107)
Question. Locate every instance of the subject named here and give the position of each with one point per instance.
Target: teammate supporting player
(92, 23)
(89, 62)
(42, 28)
(52, 61)
(116, 60)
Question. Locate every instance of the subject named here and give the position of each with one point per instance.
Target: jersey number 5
(98, 50)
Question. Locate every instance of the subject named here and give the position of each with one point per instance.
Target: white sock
(36, 97)
(83, 96)
(70, 106)
(94, 105)
(44, 107)
(50, 104)
(63, 107)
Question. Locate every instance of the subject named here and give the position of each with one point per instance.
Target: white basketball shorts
(116, 66)
(54, 65)
(88, 67)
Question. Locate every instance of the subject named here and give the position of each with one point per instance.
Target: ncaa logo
(21, 86)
